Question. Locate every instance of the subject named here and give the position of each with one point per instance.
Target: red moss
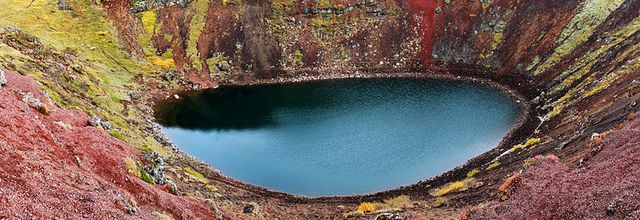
(58, 167)
(551, 190)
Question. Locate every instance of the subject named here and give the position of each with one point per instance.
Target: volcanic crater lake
(338, 137)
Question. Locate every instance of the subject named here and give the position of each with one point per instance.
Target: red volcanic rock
(606, 186)
(58, 167)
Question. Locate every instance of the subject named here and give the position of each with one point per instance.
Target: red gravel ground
(606, 186)
(58, 167)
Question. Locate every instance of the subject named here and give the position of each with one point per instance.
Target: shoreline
(517, 132)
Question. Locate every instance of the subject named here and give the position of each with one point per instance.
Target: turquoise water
(339, 137)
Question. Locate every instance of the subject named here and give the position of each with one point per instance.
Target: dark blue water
(339, 137)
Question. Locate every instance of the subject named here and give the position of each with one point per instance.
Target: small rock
(94, 121)
(223, 67)
(32, 101)
(387, 216)
(105, 124)
(176, 96)
(169, 76)
(62, 5)
(62, 124)
(611, 211)
(536, 100)
(155, 167)
(135, 95)
(173, 188)
(251, 208)
(214, 207)
(3, 79)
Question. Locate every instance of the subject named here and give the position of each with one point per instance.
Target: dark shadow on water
(240, 107)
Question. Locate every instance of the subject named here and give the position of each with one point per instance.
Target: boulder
(155, 167)
(173, 188)
(251, 208)
(96, 121)
(3, 79)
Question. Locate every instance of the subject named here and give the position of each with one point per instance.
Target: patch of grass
(393, 204)
(472, 173)
(493, 165)
(529, 162)
(135, 168)
(402, 201)
(116, 135)
(195, 175)
(211, 188)
(145, 176)
(367, 208)
(454, 187)
(439, 202)
(527, 144)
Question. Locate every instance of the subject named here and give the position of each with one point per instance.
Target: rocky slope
(55, 165)
(575, 62)
(604, 185)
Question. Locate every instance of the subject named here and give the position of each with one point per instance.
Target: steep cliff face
(576, 61)
(580, 57)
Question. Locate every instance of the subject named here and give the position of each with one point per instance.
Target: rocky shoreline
(518, 132)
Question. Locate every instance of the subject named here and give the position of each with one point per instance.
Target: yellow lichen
(591, 15)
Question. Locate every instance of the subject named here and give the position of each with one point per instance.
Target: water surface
(339, 137)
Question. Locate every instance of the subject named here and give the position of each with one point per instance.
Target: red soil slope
(607, 185)
(424, 13)
(56, 166)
